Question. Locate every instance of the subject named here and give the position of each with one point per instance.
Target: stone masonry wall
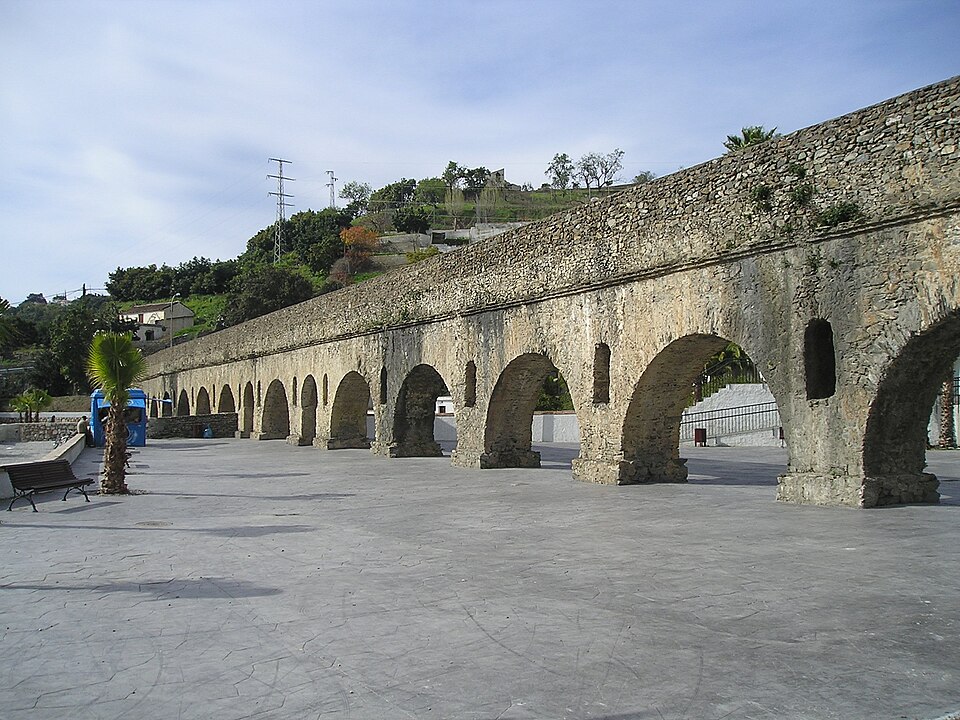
(32, 432)
(189, 426)
(881, 165)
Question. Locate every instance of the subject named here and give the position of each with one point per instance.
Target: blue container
(135, 416)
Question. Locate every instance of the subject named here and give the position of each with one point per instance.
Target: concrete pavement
(261, 580)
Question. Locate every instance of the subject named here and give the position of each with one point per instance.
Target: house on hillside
(157, 321)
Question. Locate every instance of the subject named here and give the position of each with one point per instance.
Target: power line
(282, 206)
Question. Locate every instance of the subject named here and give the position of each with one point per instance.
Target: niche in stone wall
(470, 388)
(383, 386)
(601, 374)
(326, 390)
(819, 360)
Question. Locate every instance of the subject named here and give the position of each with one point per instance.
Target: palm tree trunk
(115, 454)
(948, 438)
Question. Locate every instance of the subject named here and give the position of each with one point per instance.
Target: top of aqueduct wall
(893, 161)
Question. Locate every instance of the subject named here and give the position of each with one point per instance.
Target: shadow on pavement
(164, 589)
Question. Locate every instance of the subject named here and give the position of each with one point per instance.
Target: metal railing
(731, 421)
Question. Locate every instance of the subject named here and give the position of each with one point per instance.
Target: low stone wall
(36, 432)
(189, 426)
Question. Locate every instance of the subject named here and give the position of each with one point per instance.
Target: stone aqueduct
(831, 255)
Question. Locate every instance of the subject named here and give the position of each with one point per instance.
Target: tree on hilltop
(560, 171)
(599, 170)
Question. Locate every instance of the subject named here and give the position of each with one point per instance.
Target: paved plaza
(261, 580)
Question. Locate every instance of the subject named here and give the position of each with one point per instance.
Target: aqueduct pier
(832, 255)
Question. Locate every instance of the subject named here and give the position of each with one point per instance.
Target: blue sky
(138, 132)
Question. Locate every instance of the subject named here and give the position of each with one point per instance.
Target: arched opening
(470, 385)
(326, 390)
(699, 390)
(227, 404)
(276, 413)
(166, 407)
(348, 417)
(895, 443)
(308, 410)
(528, 381)
(203, 402)
(183, 404)
(415, 415)
(154, 407)
(383, 386)
(819, 360)
(601, 374)
(247, 415)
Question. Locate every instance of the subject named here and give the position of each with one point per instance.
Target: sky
(137, 133)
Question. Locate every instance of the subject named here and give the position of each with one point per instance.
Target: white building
(157, 320)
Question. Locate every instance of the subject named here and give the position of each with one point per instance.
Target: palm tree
(7, 331)
(115, 365)
(36, 400)
(21, 405)
(752, 135)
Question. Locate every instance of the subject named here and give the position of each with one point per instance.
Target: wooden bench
(29, 479)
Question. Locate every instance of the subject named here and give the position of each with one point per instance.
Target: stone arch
(246, 420)
(227, 404)
(275, 422)
(183, 404)
(203, 402)
(166, 407)
(509, 433)
(651, 428)
(415, 413)
(308, 410)
(348, 417)
(895, 442)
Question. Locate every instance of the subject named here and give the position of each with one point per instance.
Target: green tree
(34, 401)
(264, 289)
(7, 328)
(554, 393)
(73, 331)
(115, 365)
(644, 177)
(358, 194)
(430, 191)
(475, 178)
(393, 196)
(560, 171)
(311, 236)
(141, 283)
(599, 170)
(453, 175)
(412, 219)
(752, 135)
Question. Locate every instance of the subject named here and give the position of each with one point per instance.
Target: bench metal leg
(22, 495)
(80, 489)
